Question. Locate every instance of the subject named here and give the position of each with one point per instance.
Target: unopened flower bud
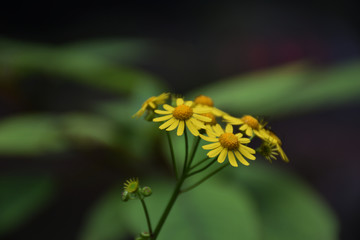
(146, 191)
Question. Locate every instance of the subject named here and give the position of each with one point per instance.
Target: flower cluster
(229, 136)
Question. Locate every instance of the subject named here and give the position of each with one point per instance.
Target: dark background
(197, 43)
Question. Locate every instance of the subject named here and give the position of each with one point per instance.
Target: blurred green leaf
(107, 220)
(20, 198)
(88, 129)
(289, 89)
(289, 208)
(130, 50)
(82, 66)
(30, 135)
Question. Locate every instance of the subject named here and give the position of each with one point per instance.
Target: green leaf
(288, 89)
(30, 135)
(89, 129)
(107, 220)
(75, 64)
(289, 208)
(20, 198)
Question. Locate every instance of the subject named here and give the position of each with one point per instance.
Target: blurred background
(71, 77)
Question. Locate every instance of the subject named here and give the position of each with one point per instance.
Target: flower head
(227, 144)
(131, 185)
(277, 142)
(268, 150)
(206, 101)
(249, 125)
(185, 113)
(152, 103)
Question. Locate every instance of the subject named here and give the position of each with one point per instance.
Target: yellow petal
(202, 118)
(188, 103)
(211, 146)
(168, 107)
(180, 129)
(219, 129)
(229, 128)
(174, 125)
(246, 153)
(250, 150)
(215, 152)
(232, 159)
(192, 128)
(197, 123)
(152, 105)
(241, 159)
(162, 112)
(163, 118)
(179, 101)
(209, 139)
(243, 127)
(249, 132)
(222, 155)
(167, 124)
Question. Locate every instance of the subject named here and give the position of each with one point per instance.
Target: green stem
(175, 193)
(200, 162)
(204, 179)
(186, 152)
(170, 204)
(193, 151)
(202, 169)
(146, 214)
(172, 155)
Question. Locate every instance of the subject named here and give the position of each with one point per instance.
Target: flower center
(229, 141)
(212, 116)
(182, 112)
(204, 100)
(251, 121)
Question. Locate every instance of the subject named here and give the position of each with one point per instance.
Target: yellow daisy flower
(185, 113)
(131, 185)
(203, 100)
(249, 125)
(225, 143)
(152, 103)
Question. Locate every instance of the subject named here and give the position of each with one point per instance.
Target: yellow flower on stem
(131, 185)
(269, 150)
(249, 125)
(152, 103)
(185, 113)
(206, 101)
(226, 144)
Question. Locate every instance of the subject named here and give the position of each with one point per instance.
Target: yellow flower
(185, 113)
(276, 140)
(206, 101)
(131, 185)
(152, 103)
(228, 144)
(249, 125)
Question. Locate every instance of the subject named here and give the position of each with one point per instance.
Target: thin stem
(172, 155)
(175, 193)
(200, 162)
(186, 152)
(168, 207)
(193, 151)
(205, 178)
(202, 169)
(146, 215)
